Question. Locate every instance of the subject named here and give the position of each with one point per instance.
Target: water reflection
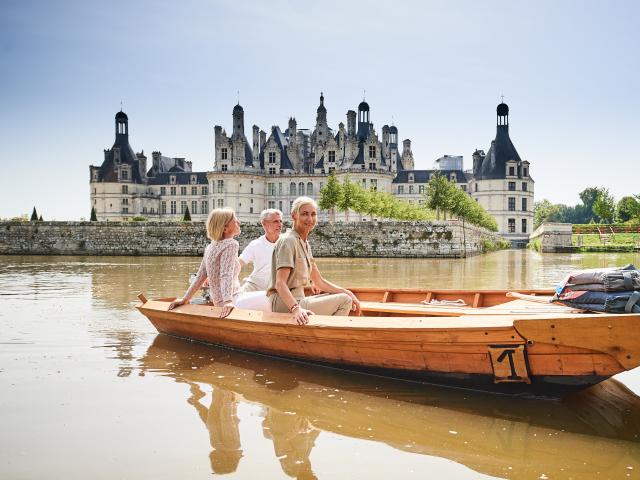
(597, 429)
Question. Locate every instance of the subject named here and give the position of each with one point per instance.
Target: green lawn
(594, 240)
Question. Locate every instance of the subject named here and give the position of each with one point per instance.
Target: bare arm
(201, 277)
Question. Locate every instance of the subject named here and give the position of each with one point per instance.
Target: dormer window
(512, 171)
(332, 156)
(525, 172)
(453, 177)
(172, 179)
(223, 154)
(194, 179)
(124, 174)
(272, 157)
(372, 151)
(411, 178)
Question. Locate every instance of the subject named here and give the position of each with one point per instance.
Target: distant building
(271, 171)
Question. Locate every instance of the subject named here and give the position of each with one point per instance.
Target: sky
(568, 70)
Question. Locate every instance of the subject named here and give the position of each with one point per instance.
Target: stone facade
(271, 170)
(366, 239)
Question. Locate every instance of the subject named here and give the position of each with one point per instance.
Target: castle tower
(407, 155)
(394, 155)
(256, 145)
(363, 120)
(351, 123)
(238, 121)
(122, 126)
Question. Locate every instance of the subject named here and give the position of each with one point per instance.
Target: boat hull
(482, 353)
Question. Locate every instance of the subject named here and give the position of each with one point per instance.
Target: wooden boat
(488, 342)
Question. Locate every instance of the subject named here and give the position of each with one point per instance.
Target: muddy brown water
(88, 389)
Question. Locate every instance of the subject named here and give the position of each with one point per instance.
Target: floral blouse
(221, 266)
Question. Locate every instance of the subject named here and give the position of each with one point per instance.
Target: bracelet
(294, 306)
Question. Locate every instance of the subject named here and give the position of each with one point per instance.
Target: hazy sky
(569, 71)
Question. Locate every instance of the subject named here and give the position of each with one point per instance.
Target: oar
(530, 298)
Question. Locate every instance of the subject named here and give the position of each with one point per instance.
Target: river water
(88, 389)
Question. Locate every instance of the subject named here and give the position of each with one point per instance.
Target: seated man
(260, 251)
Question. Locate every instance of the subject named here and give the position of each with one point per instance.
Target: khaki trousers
(324, 304)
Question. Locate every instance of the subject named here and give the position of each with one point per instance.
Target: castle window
(372, 151)
(401, 189)
(194, 179)
(410, 188)
(364, 183)
(272, 157)
(525, 172)
(173, 190)
(224, 167)
(204, 206)
(95, 176)
(183, 190)
(183, 207)
(374, 184)
(524, 225)
(272, 170)
(163, 207)
(220, 203)
(144, 209)
(309, 189)
(301, 188)
(125, 209)
(464, 187)
(172, 179)
(524, 186)
(124, 175)
(280, 189)
(205, 190)
(476, 187)
(411, 178)
(223, 154)
(280, 205)
(292, 188)
(512, 204)
(163, 190)
(125, 201)
(512, 171)
(220, 186)
(421, 189)
(271, 189)
(511, 225)
(173, 207)
(372, 166)
(125, 189)
(271, 204)
(194, 190)
(512, 186)
(524, 204)
(331, 170)
(194, 207)
(332, 156)
(250, 209)
(453, 177)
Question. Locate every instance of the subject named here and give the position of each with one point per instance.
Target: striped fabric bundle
(613, 290)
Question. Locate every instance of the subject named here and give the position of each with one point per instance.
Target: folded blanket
(622, 279)
(612, 302)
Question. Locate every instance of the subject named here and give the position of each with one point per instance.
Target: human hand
(355, 303)
(315, 290)
(176, 303)
(301, 315)
(226, 309)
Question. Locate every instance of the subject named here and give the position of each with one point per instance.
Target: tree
(545, 211)
(627, 209)
(348, 198)
(187, 215)
(605, 205)
(40, 219)
(34, 215)
(93, 218)
(330, 195)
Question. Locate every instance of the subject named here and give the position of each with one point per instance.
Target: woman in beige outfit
(293, 268)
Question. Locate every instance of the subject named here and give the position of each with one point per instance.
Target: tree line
(598, 206)
(441, 197)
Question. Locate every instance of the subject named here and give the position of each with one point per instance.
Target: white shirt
(259, 251)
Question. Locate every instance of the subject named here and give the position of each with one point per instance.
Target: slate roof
(502, 150)
(285, 162)
(182, 178)
(107, 171)
(422, 176)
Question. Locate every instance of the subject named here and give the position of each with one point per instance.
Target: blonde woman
(220, 262)
(293, 268)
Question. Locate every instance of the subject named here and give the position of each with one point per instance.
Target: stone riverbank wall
(363, 239)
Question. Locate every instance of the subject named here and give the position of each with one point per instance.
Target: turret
(238, 121)
(256, 144)
(407, 155)
(293, 129)
(351, 123)
(363, 120)
(122, 126)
